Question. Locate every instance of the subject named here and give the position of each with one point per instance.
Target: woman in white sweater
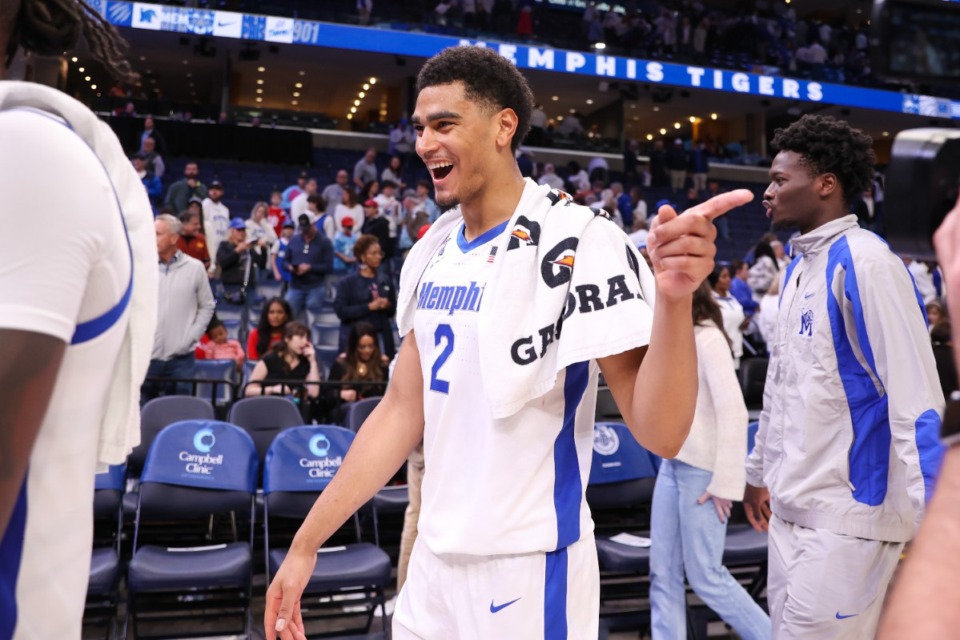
(694, 494)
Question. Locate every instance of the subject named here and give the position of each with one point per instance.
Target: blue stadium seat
(299, 465)
(102, 587)
(263, 417)
(225, 373)
(197, 471)
(326, 334)
(157, 414)
(357, 412)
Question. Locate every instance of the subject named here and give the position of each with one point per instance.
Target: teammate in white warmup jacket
(847, 450)
(505, 407)
(77, 316)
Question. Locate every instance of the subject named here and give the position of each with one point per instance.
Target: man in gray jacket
(185, 306)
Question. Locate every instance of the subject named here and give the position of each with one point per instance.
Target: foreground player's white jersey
(493, 487)
(66, 272)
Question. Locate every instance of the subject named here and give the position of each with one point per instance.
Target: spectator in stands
(191, 241)
(550, 177)
(925, 275)
(274, 316)
(377, 225)
(275, 213)
(348, 208)
(676, 163)
(278, 256)
(259, 227)
(150, 133)
(780, 255)
(658, 166)
(365, 170)
(940, 336)
(638, 235)
(722, 223)
(367, 295)
(598, 169)
(766, 315)
(309, 260)
(694, 494)
(393, 173)
(538, 126)
(739, 287)
(216, 218)
(299, 204)
(218, 345)
(570, 127)
(150, 182)
(325, 223)
(936, 314)
(734, 319)
(185, 306)
(414, 218)
(363, 363)
(390, 208)
(428, 203)
(764, 270)
(402, 139)
(333, 193)
(181, 191)
(153, 162)
(577, 178)
(343, 258)
(290, 361)
(237, 256)
(698, 166)
(290, 193)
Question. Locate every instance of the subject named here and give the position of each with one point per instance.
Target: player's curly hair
(487, 77)
(50, 27)
(828, 145)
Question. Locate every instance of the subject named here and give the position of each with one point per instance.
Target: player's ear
(506, 122)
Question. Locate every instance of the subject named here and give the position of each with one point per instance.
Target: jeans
(177, 367)
(689, 537)
(311, 299)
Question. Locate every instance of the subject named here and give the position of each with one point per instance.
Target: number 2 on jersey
(443, 332)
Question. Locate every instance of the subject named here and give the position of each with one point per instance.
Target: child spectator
(219, 347)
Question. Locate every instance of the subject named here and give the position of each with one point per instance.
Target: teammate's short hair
(828, 145)
(488, 78)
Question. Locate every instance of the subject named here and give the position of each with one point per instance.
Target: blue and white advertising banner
(140, 15)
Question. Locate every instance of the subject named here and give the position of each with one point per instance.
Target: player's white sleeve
(56, 204)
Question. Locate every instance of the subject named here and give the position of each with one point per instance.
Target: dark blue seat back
(359, 411)
(160, 412)
(752, 429)
(623, 473)
(263, 417)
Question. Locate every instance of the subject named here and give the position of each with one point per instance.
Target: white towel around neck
(120, 428)
(602, 289)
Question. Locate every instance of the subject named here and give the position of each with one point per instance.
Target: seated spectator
(234, 256)
(362, 362)
(550, 177)
(292, 360)
(150, 182)
(393, 172)
(259, 229)
(274, 317)
(343, 258)
(218, 347)
(153, 163)
(191, 241)
(367, 296)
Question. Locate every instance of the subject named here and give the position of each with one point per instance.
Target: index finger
(720, 204)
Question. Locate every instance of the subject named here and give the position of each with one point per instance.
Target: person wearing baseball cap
(234, 254)
(343, 259)
(377, 225)
(216, 221)
(310, 262)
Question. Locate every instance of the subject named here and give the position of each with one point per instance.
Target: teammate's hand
(281, 617)
(722, 505)
(682, 247)
(756, 503)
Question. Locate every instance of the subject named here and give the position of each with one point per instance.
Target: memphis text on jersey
(450, 299)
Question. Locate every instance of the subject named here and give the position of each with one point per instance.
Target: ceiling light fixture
(600, 46)
(362, 95)
(299, 85)
(296, 94)
(259, 99)
(713, 116)
(94, 87)
(353, 109)
(676, 125)
(356, 103)
(87, 78)
(693, 119)
(349, 116)
(656, 109)
(294, 102)
(589, 101)
(260, 81)
(554, 98)
(663, 132)
(649, 136)
(886, 134)
(80, 69)
(259, 90)
(366, 86)
(74, 58)
(261, 69)
(373, 81)
(302, 73)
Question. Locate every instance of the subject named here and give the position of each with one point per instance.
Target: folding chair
(102, 591)
(202, 475)
(358, 411)
(299, 465)
(622, 478)
(263, 417)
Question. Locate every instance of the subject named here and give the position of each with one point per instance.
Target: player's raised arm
(383, 443)
(656, 387)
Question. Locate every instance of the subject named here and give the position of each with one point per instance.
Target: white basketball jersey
(493, 487)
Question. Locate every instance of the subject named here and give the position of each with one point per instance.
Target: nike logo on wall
(842, 617)
(497, 607)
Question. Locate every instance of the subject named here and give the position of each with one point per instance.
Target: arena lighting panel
(277, 29)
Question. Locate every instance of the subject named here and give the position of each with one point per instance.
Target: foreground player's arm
(28, 370)
(656, 387)
(382, 445)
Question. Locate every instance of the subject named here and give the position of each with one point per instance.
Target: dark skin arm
(29, 363)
